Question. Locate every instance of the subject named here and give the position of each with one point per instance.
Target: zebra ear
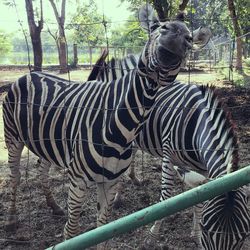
(147, 18)
(201, 37)
(190, 178)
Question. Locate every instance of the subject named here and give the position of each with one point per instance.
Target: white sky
(113, 9)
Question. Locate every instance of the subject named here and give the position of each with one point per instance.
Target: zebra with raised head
(89, 128)
(190, 127)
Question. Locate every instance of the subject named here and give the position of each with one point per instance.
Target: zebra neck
(151, 79)
(127, 110)
(163, 70)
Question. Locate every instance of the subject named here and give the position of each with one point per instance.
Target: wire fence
(37, 229)
(214, 56)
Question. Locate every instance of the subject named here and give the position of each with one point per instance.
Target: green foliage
(5, 43)
(247, 62)
(238, 79)
(136, 4)
(88, 26)
(130, 34)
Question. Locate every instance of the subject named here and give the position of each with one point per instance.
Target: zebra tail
(5, 88)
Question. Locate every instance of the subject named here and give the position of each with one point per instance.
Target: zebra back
(190, 124)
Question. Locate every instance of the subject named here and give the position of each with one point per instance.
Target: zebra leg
(106, 192)
(131, 170)
(136, 181)
(117, 200)
(43, 168)
(196, 231)
(14, 157)
(76, 196)
(167, 183)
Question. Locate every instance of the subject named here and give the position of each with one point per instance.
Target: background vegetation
(91, 30)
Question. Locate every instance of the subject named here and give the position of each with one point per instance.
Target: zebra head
(166, 48)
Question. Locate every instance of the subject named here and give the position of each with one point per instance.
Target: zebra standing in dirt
(191, 128)
(89, 128)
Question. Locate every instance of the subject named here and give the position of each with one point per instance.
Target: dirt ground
(38, 229)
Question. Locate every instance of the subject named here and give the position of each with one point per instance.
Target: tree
(237, 32)
(35, 33)
(183, 4)
(61, 38)
(243, 10)
(130, 34)
(165, 8)
(88, 25)
(35, 22)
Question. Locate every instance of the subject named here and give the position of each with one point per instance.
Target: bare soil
(39, 229)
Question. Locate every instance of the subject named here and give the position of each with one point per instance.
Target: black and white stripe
(190, 127)
(88, 128)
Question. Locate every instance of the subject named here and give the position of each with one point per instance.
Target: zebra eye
(164, 30)
(189, 38)
(165, 27)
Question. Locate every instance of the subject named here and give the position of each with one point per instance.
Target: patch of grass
(200, 78)
(77, 75)
(7, 76)
(238, 79)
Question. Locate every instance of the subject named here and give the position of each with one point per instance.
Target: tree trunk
(183, 5)
(62, 52)
(162, 9)
(75, 60)
(35, 34)
(237, 31)
(37, 51)
(61, 39)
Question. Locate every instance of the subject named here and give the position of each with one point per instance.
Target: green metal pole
(157, 211)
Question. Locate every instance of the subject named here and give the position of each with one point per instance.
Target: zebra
(190, 127)
(89, 128)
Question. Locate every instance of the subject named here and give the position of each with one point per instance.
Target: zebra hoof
(68, 235)
(196, 239)
(137, 182)
(117, 203)
(58, 211)
(11, 226)
(149, 243)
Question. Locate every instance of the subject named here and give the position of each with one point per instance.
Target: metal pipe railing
(157, 211)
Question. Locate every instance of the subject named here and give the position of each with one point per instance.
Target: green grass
(76, 75)
(238, 79)
(200, 78)
(7, 76)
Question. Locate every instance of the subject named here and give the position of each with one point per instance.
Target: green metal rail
(157, 211)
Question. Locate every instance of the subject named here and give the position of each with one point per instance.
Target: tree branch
(63, 11)
(58, 19)
(183, 5)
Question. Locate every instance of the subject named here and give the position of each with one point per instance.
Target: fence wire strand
(30, 171)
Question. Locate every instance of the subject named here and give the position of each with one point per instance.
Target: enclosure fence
(39, 230)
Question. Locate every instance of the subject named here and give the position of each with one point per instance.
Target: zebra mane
(99, 66)
(230, 124)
